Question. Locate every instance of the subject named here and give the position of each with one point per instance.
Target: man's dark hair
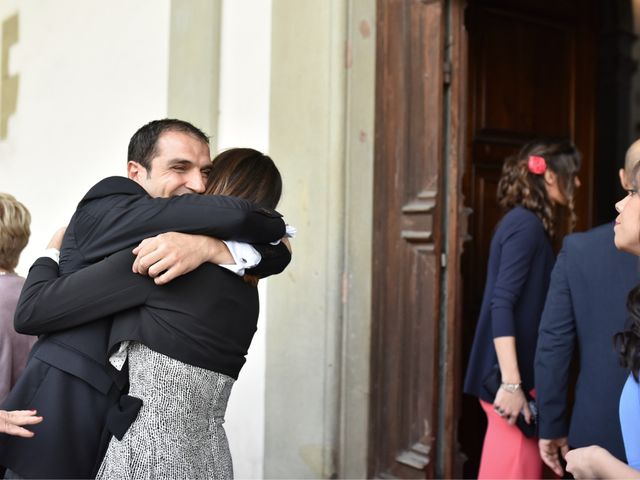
(143, 144)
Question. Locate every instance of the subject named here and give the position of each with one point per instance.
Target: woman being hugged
(532, 184)
(185, 342)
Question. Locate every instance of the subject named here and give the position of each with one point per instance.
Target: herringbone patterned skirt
(179, 431)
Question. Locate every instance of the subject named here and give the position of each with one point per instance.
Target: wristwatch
(510, 387)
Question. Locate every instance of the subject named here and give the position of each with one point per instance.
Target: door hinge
(447, 70)
(443, 260)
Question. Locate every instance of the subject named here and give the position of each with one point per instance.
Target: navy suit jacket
(585, 307)
(67, 379)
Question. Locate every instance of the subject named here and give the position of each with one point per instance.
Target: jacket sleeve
(275, 259)
(50, 303)
(518, 250)
(103, 226)
(556, 339)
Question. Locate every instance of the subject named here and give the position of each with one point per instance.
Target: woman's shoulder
(521, 219)
(629, 400)
(11, 281)
(631, 387)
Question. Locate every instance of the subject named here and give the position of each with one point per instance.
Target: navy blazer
(520, 262)
(66, 378)
(585, 307)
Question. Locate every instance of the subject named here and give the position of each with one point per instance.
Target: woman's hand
(509, 405)
(596, 462)
(56, 240)
(12, 422)
(581, 461)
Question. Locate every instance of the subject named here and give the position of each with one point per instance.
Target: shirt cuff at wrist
(53, 254)
(244, 256)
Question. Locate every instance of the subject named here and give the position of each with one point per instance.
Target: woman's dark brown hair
(248, 174)
(245, 173)
(628, 341)
(519, 186)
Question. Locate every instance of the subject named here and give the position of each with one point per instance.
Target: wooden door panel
(407, 243)
(525, 76)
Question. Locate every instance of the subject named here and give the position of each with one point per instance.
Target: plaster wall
(88, 77)
(321, 132)
(353, 437)
(307, 136)
(243, 121)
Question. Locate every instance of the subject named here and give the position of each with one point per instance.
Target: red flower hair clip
(537, 165)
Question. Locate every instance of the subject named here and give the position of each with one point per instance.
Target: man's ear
(135, 171)
(550, 178)
(623, 179)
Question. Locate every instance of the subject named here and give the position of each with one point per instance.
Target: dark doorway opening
(556, 68)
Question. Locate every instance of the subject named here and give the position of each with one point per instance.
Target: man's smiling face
(181, 165)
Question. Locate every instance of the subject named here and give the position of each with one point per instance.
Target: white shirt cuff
(53, 254)
(244, 255)
(290, 232)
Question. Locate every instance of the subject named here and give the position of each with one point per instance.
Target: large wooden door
(407, 238)
(531, 74)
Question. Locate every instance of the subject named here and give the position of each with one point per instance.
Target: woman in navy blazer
(541, 176)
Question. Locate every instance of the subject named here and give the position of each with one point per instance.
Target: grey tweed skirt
(179, 431)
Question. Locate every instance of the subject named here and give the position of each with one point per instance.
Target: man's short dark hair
(143, 144)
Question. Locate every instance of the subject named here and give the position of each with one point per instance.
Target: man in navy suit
(67, 378)
(585, 307)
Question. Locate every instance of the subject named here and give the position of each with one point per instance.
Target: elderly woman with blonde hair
(14, 235)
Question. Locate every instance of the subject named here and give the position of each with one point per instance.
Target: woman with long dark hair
(500, 370)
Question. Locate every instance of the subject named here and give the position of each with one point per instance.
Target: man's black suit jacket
(66, 378)
(206, 318)
(585, 307)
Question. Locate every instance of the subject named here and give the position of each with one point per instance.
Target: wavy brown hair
(520, 187)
